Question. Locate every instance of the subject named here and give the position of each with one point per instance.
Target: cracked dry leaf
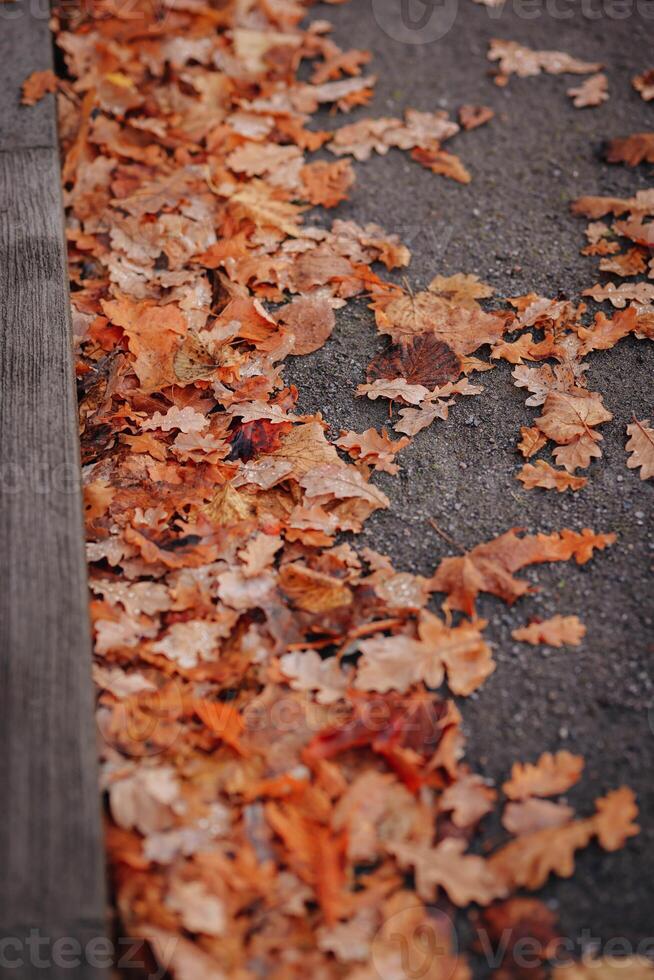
(540, 474)
(591, 92)
(634, 149)
(419, 360)
(489, 567)
(464, 877)
(557, 631)
(549, 776)
(641, 447)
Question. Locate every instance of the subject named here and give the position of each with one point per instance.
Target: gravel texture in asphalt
(512, 227)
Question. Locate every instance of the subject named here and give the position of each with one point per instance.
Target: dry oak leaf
(373, 447)
(639, 232)
(465, 878)
(311, 320)
(541, 474)
(644, 84)
(488, 567)
(532, 439)
(614, 819)
(312, 591)
(222, 720)
(515, 59)
(528, 861)
(341, 482)
(551, 775)
(463, 328)
(597, 207)
(37, 85)
(398, 662)
(641, 446)
(153, 334)
(309, 672)
(468, 799)
(608, 968)
(327, 184)
(632, 150)
(442, 162)
(185, 419)
(592, 92)
(531, 815)
(555, 632)
(418, 360)
(305, 447)
(471, 116)
(618, 296)
(396, 390)
(630, 263)
(460, 289)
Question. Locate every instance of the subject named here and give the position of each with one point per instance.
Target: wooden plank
(51, 853)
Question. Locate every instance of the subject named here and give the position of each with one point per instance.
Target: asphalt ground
(512, 227)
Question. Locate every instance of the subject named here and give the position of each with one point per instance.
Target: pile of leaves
(281, 757)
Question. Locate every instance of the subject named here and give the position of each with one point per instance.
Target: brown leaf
(465, 877)
(311, 319)
(471, 116)
(641, 447)
(532, 439)
(555, 632)
(632, 150)
(541, 474)
(37, 85)
(644, 84)
(592, 92)
(552, 774)
(531, 815)
(420, 360)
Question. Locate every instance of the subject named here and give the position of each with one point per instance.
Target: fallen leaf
(552, 774)
(555, 632)
(640, 445)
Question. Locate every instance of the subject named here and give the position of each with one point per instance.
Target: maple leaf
(551, 775)
(592, 92)
(569, 416)
(465, 878)
(641, 447)
(541, 474)
(420, 360)
(632, 150)
(555, 632)
(532, 439)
